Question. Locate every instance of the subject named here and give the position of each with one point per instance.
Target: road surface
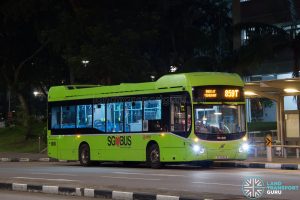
(217, 183)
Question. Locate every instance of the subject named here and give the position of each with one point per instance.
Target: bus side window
(133, 116)
(55, 117)
(189, 117)
(178, 114)
(84, 116)
(155, 125)
(114, 116)
(99, 117)
(152, 113)
(68, 117)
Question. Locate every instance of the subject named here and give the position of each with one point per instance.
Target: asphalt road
(217, 183)
(10, 195)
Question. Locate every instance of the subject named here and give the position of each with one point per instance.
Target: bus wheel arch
(84, 154)
(153, 155)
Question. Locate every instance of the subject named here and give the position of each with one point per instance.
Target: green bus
(186, 117)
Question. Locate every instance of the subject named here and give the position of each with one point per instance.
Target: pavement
(32, 156)
(252, 162)
(24, 157)
(17, 195)
(291, 163)
(88, 192)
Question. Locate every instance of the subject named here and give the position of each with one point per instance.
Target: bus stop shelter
(276, 90)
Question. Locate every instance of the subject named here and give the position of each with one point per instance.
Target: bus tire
(206, 164)
(153, 157)
(84, 155)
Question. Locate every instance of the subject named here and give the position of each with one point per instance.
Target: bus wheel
(206, 164)
(153, 156)
(84, 155)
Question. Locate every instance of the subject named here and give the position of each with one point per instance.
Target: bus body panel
(172, 148)
(110, 147)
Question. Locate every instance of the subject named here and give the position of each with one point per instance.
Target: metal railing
(258, 146)
(279, 150)
(258, 136)
(283, 149)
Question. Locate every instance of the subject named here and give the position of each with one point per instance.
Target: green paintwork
(173, 148)
(167, 83)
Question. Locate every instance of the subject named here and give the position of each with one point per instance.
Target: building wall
(267, 11)
(273, 12)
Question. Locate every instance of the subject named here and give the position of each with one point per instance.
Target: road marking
(122, 195)
(54, 174)
(122, 177)
(205, 183)
(19, 187)
(24, 159)
(50, 189)
(148, 174)
(5, 159)
(89, 192)
(175, 189)
(46, 179)
(166, 197)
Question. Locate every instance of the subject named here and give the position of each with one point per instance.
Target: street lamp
(85, 62)
(173, 68)
(290, 90)
(152, 77)
(37, 93)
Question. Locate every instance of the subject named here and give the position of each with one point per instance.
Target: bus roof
(167, 83)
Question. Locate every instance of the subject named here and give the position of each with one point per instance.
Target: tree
(22, 47)
(133, 40)
(196, 34)
(124, 41)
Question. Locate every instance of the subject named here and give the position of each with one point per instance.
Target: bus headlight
(198, 149)
(244, 148)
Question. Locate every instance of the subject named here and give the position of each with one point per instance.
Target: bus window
(99, 117)
(189, 117)
(133, 116)
(114, 117)
(178, 115)
(219, 119)
(68, 117)
(152, 110)
(152, 115)
(84, 116)
(55, 117)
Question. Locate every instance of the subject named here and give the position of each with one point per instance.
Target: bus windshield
(219, 119)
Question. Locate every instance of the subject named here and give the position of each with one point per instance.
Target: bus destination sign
(218, 93)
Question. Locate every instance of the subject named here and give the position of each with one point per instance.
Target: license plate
(222, 157)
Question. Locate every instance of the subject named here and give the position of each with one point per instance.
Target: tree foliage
(43, 43)
(21, 25)
(129, 41)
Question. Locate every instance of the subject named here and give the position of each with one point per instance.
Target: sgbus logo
(119, 140)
